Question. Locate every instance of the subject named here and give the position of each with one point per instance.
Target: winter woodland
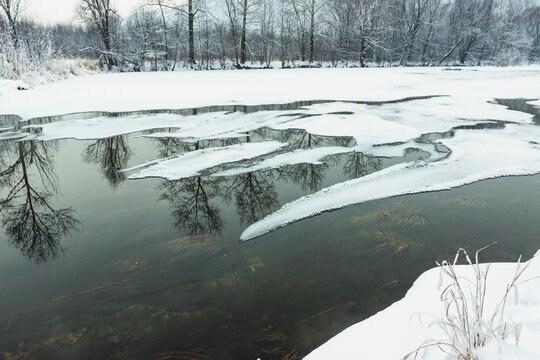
(219, 34)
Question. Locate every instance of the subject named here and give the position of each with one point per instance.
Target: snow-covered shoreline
(54, 70)
(116, 92)
(407, 324)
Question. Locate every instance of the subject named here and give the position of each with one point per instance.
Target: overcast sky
(53, 11)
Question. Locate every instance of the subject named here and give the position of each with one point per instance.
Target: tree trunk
(312, 34)
(107, 42)
(13, 27)
(165, 36)
(191, 20)
(364, 32)
(243, 43)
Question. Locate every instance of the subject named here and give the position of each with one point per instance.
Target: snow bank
(142, 91)
(192, 163)
(51, 71)
(368, 124)
(399, 329)
(476, 155)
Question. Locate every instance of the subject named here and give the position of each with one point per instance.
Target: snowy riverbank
(188, 89)
(407, 324)
(52, 71)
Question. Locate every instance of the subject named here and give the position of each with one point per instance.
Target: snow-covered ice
(102, 127)
(192, 163)
(404, 326)
(476, 155)
(440, 101)
(300, 156)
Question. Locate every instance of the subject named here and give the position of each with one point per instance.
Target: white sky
(53, 11)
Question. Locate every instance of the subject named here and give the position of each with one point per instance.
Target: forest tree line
(216, 34)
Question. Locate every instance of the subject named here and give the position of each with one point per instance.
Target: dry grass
(465, 323)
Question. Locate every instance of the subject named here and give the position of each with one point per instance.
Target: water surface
(93, 266)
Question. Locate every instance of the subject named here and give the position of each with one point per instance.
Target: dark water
(93, 266)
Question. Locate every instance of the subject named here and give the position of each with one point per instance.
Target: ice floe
(476, 155)
(192, 163)
(299, 156)
(101, 127)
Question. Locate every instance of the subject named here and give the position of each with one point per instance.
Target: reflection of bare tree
(309, 176)
(112, 155)
(190, 202)
(306, 140)
(254, 195)
(31, 223)
(301, 139)
(358, 165)
(169, 146)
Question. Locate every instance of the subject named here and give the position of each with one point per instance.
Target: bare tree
(99, 14)
(413, 12)
(12, 9)
(243, 45)
(161, 4)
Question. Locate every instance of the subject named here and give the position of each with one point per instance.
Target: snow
(172, 90)
(192, 163)
(50, 71)
(440, 101)
(536, 103)
(396, 150)
(407, 324)
(476, 155)
(300, 156)
(368, 124)
(9, 86)
(222, 125)
(102, 127)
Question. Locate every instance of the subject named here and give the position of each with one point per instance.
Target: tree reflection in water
(31, 223)
(112, 155)
(190, 203)
(358, 165)
(254, 195)
(309, 176)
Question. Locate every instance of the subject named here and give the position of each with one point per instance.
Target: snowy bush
(30, 59)
(31, 51)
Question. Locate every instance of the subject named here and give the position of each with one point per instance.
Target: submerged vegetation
(214, 296)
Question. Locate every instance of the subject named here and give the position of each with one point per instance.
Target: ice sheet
(300, 156)
(476, 155)
(102, 127)
(192, 163)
